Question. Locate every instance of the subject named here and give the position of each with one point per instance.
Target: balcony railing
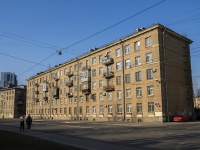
(108, 75)
(56, 93)
(86, 91)
(69, 84)
(36, 84)
(45, 98)
(108, 61)
(69, 74)
(85, 79)
(37, 100)
(109, 88)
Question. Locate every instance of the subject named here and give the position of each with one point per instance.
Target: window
(127, 49)
(81, 109)
(75, 88)
(70, 110)
(150, 90)
(100, 58)
(119, 108)
(87, 110)
(128, 108)
(94, 97)
(61, 102)
(75, 110)
(128, 93)
(149, 57)
(101, 71)
(94, 85)
(87, 63)
(150, 107)
(109, 95)
(138, 92)
(149, 74)
(75, 77)
(94, 72)
(65, 110)
(119, 94)
(65, 71)
(70, 69)
(128, 63)
(101, 96)
(139, 107)
(76, 67)
(128, 78)
(110, 109)
(81, 99)
(118, 66)
(75, 99)
(94, 60)
(118, 52)
(65, 101)
(138, 76)
(100, 83)
(118, 80)
(148, 42)
(137, 61)
(137, 45)
(101, 109)
(81, 65)
(94, 110)
(70, 100)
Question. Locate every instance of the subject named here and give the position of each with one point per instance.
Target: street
(114, 135)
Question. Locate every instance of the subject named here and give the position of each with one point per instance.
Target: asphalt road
(114, 135)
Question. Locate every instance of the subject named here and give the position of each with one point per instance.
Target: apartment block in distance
(145, 76)
(13, 102)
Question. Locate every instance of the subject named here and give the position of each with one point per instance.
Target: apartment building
(13, 102)
(145, 76)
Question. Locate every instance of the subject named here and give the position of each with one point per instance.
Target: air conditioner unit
(154, 70)
(104, 94)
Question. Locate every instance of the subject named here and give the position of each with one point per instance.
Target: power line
(66, 48)
(21, 59)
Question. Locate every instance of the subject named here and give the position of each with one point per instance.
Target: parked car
(181, 118)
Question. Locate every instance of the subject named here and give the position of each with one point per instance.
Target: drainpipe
(123, 82)
(165, 74)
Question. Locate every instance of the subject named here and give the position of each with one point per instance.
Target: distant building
(12, 102)
(145, 76)
(8, 79)
(197, 103)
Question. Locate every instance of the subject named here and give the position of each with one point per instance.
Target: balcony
(69, 84)
(86, 68)
(108, 61)
(69, 74)
(69, 95)
(55, 77)
(36, 84)
(85, 79)
(86, 91)
(108, 75)
(109, 88)
(56, 93)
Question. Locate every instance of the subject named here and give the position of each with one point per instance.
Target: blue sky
(33, 30)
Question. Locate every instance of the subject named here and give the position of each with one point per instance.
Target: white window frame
(81, 99)
(94, 85)
(128, 108)
(149, 74)
(100, 83)
(100, 96)
(149, 57)
(101, 71)
(87, 109)
(150, 90)
(127, 49)
(148, 41)
(119, 94)
(101, 109)
(118, 52)
(138, 92)
(109, 95)
(151, 107)
(137, 45)
(94, 61)
(118, 66)
(137, 61)
(94, 110)
(128, 63)
(110, 109)
(138, 76)
(128, 93)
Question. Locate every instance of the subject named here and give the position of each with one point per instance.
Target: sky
(33, 31)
